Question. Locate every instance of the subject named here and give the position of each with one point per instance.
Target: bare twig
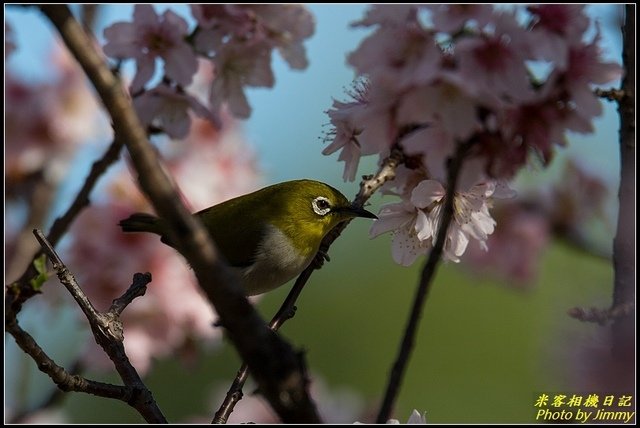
(278, 370)
(601, 316)
(107, 330)
(624, 243)
(428, 273)
(610, 94)
(21, 290)
(287, 310)
(137, 289)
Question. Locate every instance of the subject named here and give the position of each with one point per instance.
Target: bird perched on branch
(269, 236)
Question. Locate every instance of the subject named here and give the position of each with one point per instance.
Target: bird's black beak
(358, 212)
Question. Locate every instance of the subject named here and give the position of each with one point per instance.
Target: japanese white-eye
(270, 236)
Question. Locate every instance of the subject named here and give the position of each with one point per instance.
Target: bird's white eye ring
(321, 205)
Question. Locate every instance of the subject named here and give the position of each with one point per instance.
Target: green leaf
(41, 267)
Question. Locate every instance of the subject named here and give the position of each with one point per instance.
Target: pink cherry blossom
(239, 39)
(444, 104)
(492, 66)
(236, 67)
(151, 36)
(362, 126)
(398, 56)
(168, 108)
(405, 221)
(286, 26)
(281, 27)
(556, 28)
(416, 220)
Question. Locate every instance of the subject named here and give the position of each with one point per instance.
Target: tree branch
(368, 186)
(107, 330)
(428, 273)
(610, 94)
(624, 243)
(278, 370)
(601, 316)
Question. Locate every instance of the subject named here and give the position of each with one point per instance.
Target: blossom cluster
(237, 40)
(508, 83)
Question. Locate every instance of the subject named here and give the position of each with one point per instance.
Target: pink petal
(181, 64)
(427, 192)
(146, 67)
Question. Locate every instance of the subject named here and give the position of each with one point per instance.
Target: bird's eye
(321, 205)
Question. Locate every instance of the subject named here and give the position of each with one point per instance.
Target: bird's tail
(141, 222)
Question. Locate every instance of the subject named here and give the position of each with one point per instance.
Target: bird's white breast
(277, 261)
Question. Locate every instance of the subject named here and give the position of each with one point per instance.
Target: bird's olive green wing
(236, 228)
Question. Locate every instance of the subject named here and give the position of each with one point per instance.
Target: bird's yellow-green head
(307, 210)
(270, 235)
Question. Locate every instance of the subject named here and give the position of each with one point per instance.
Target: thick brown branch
(624, 244)
(276, 367)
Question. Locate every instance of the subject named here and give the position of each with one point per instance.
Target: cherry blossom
(415, 221)
(464, 74)
(362, 126)
(492, 66)
(168, 109)
(152, 36)
(556, 28)
(238, 66)
(239, 40)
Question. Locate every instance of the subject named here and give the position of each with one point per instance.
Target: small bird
(269, 236)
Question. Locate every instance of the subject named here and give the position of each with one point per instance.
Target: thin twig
(368, 187)
(66, 278)
(601, 316)
(279, 371)
(107, 330)
(428, 273)
(21, 290)
(612, 94)
(137, 289)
